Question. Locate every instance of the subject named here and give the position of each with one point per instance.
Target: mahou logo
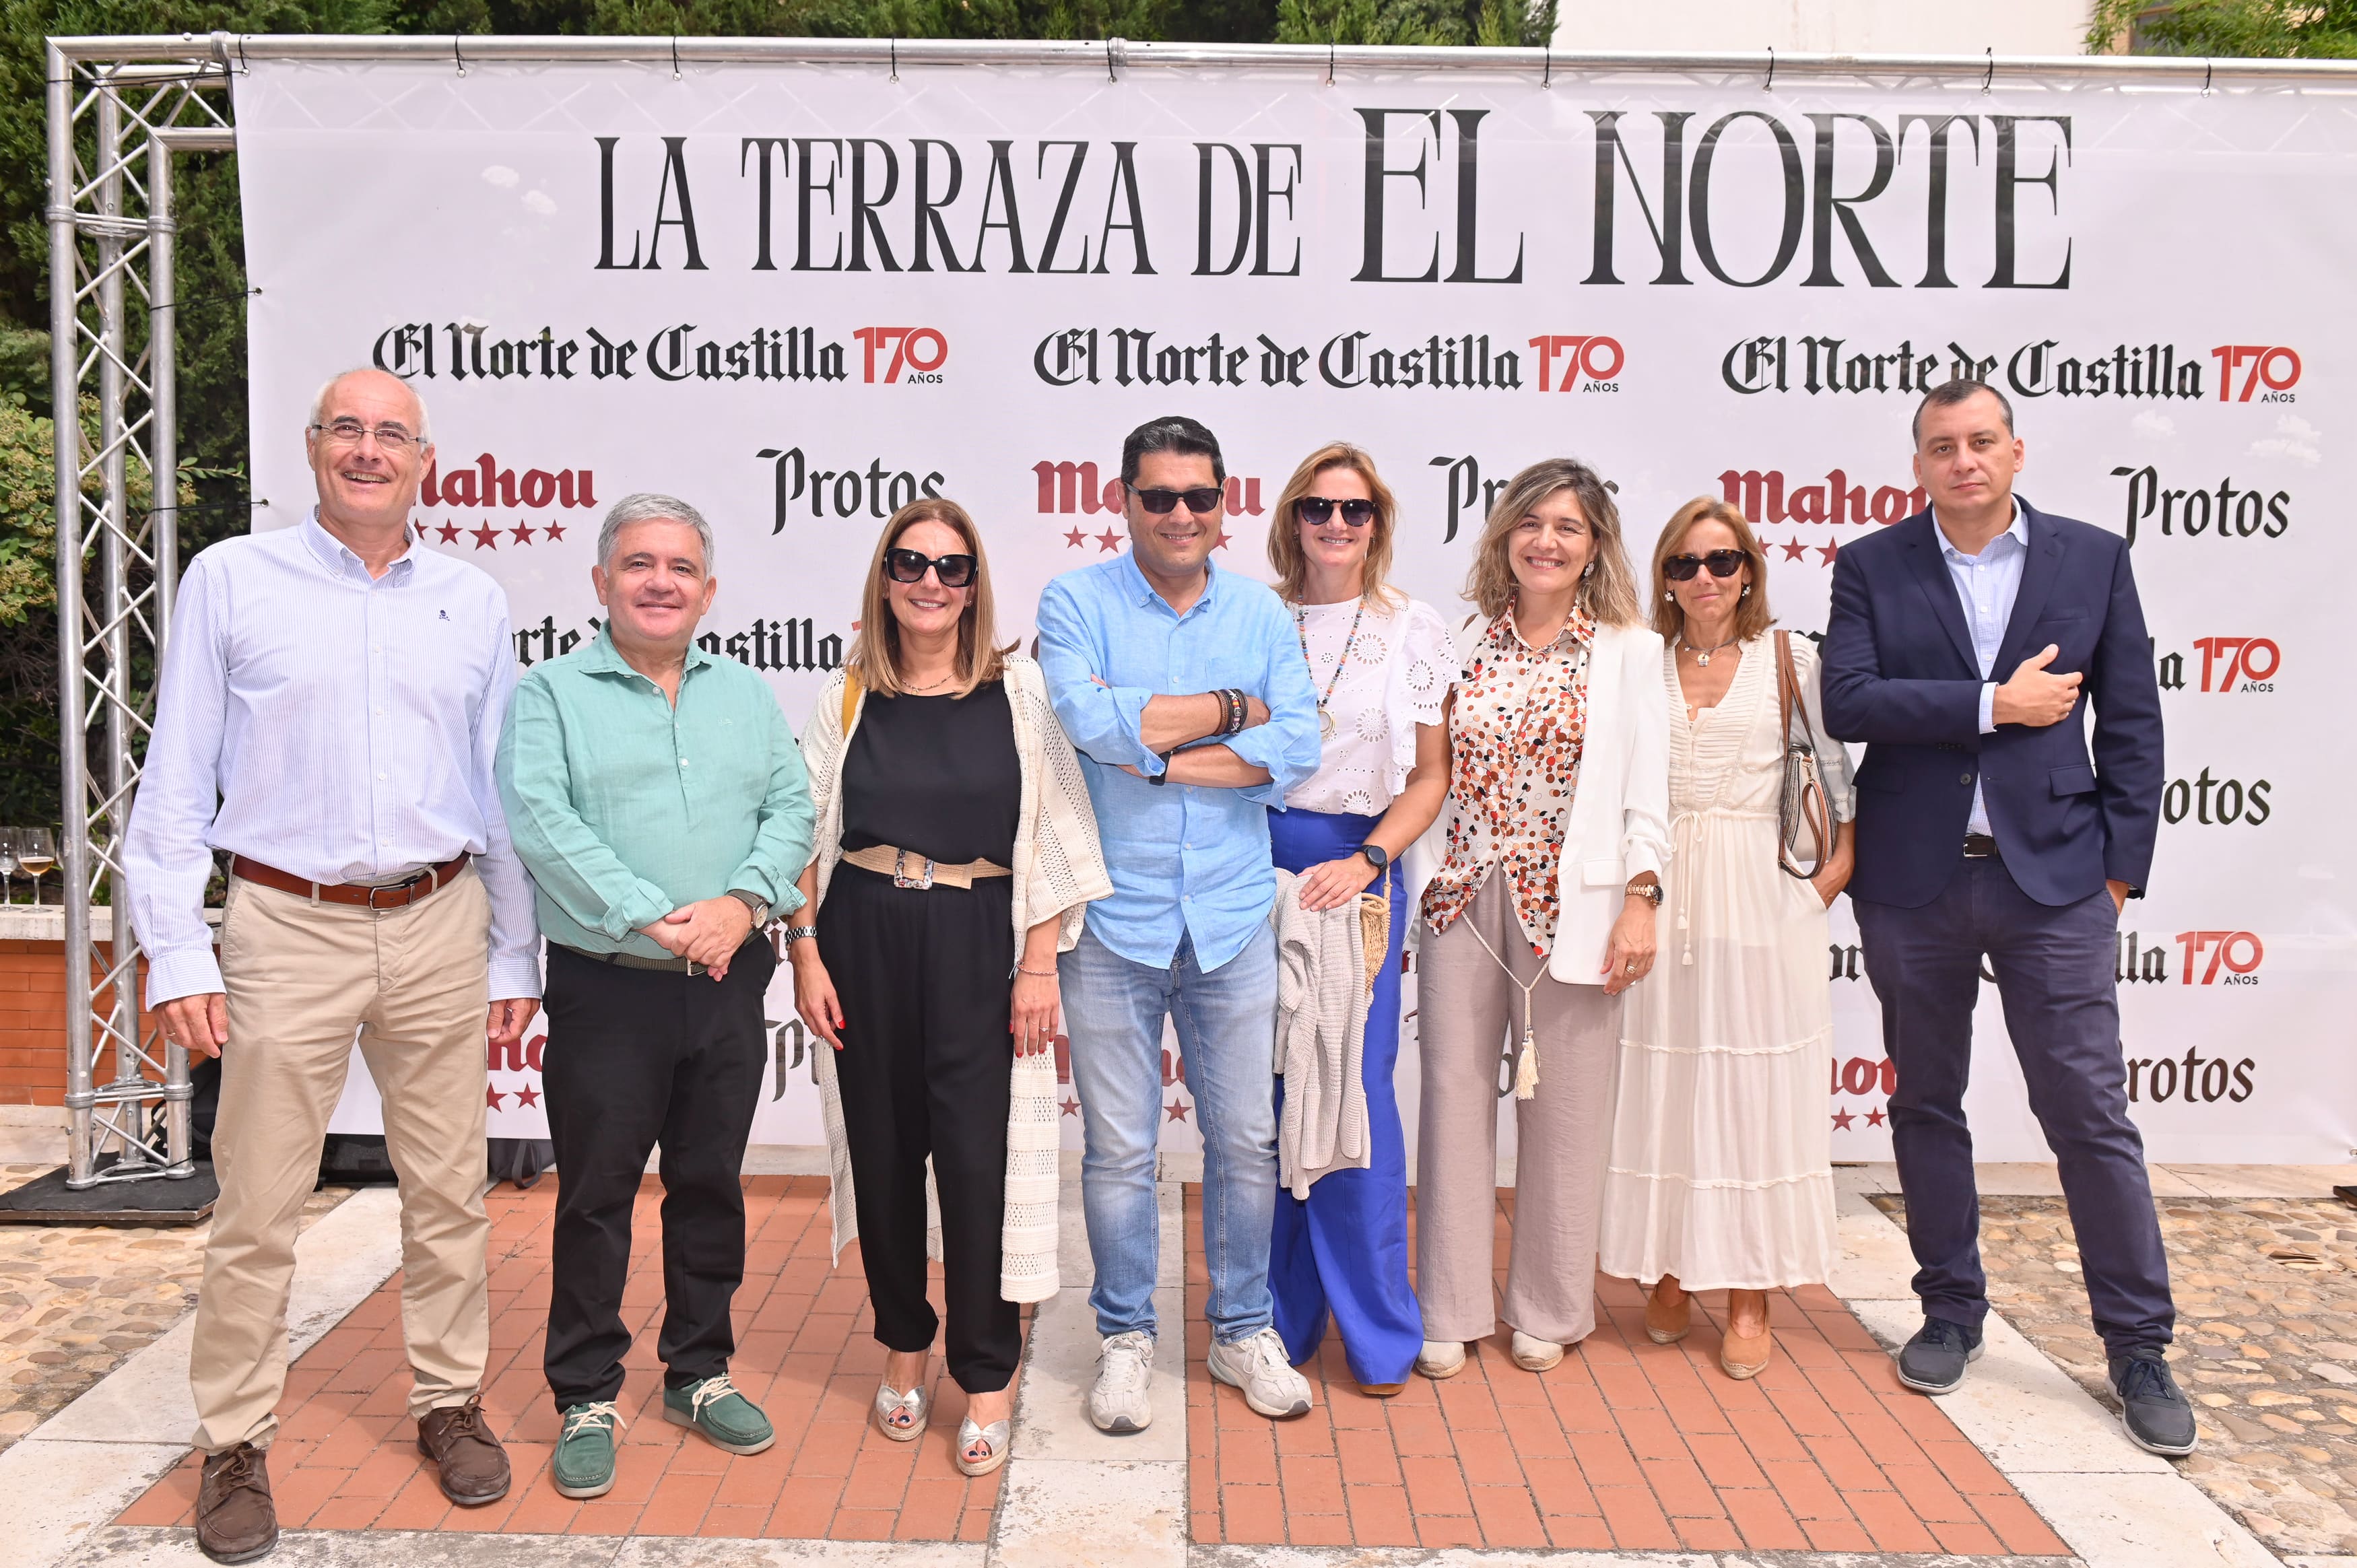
(485, 485)
(1071, 488)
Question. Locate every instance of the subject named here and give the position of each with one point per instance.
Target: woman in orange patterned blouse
(1541, 915)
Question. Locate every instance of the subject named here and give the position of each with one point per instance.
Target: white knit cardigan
(1058, 869)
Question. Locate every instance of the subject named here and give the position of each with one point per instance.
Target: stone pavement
(2266, 1299)
(1626, 1455)
(77, 1302)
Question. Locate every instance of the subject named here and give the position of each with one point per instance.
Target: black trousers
(635, 1057)
(2054, 977)
(924, 980)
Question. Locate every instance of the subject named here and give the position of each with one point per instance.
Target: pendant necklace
(1702, 655)
(1301, 630)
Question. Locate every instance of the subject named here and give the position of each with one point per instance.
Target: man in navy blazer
(1964, 646)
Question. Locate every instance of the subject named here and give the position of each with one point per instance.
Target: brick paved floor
(2266, 1344)
(78, 1301)
(347, 1456)
(1625, 1445)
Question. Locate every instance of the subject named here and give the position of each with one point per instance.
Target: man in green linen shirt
(657, 798)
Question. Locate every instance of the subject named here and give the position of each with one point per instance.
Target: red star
(1829, 551)
(522, 534)
(1174, 1111)
(492, 1098)
(486, 536)
(526, 1096)
(1108, 539)
(449, 532)
(1794, 549)
(1075, 539)
(1072, 1107)
(1222, 541)
(1876, 1118)
(1842, 1119)
(555, 531)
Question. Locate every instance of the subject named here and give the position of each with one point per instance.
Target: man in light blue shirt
(1988, 583)
(1184, 690)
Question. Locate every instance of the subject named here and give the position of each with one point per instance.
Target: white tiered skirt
(1720, 1171)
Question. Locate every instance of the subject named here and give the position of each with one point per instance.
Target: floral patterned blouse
(1514, 737)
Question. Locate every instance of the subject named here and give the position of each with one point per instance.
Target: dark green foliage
(2223, 29)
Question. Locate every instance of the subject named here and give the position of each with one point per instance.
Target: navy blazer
(1900, 675)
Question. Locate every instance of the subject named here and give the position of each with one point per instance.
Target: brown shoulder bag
(1805, 834)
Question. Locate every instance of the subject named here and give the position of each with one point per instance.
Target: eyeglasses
(1315, 509)
(1202, 503)
(909, 566)
(348, 433)
(1722, 564)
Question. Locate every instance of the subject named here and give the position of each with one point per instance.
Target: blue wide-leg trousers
(1342, 1251)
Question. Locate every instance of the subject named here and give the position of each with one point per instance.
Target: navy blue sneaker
(1933, 1361)
(2158, 1416)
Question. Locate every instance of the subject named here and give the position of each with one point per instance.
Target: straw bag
(1805, 826)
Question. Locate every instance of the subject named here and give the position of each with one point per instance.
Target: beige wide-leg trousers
(302, 977)
(1467, 1012)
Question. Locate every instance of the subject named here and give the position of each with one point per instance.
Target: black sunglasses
(1722, 564)
(1201, 502)
(1316, 509)
(908, 566)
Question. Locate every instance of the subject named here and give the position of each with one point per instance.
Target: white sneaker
(1257, 1366)
(1535, 1355)
(1118, 1403)
(1441, 1359)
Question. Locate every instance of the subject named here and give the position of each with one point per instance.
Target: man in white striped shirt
(329, 716)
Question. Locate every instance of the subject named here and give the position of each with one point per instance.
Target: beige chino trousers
(1467, 1011)
(302, 977)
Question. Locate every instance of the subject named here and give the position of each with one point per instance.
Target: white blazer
(1619, 826)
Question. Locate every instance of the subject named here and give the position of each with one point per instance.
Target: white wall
(1830, 27)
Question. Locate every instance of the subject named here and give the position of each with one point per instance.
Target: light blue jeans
(1226, 1022)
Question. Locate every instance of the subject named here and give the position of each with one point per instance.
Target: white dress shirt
(1988, 582)
(339, 727)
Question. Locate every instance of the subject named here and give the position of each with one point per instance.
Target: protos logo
(918, 353)
(2236, 953)
(1597, 360)
(2275, 369)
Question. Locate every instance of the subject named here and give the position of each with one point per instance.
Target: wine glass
(9, 866)
(36, 852)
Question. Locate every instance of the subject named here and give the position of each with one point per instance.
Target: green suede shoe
(583, 1466)
(727, 1419)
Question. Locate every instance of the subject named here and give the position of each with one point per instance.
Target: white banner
(799, 295)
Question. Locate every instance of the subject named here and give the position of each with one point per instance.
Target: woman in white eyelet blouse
(1381, 664)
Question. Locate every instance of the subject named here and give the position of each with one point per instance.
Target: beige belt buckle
(900, 877)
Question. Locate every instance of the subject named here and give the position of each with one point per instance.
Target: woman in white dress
(1381, 663)
(1719, 1175)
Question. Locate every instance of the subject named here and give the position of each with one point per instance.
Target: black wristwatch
(1377, 855)
(1163, 777)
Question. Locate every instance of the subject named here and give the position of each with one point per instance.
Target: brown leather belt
(391, 896)
(908, 869)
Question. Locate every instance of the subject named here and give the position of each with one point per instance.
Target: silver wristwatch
(754, 902)
(796, 934)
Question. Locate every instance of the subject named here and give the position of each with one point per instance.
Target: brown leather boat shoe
(474, 1467)
(1666, 1324)
(236, 1521)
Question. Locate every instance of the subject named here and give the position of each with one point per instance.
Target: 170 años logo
(918, 354)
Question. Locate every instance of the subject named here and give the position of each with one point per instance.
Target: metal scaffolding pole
(116, 126)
